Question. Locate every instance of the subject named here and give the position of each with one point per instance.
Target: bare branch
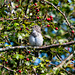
(5, 4)
(37, 48)
(7, 68)
(59, 57)
(55, 45)
(13, 48)
(64, 61)
(28, 20)
(67, 71)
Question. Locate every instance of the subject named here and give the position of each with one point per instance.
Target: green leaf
(21, 56)
(1, 2)
(24, 26)
(27, 35)
(16, 24)
(17, 56)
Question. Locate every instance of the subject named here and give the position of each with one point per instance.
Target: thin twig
(7, 68)
(59, 57)
(67, 71)
(5, 4)
(64, 61)
(28, 20)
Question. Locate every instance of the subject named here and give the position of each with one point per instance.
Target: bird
(36, 38)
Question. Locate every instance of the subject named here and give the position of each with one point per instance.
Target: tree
(55, 17)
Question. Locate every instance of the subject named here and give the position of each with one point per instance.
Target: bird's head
(35, 30)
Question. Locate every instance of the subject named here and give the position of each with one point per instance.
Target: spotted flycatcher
(36, 38)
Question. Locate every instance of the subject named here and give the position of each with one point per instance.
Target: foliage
(16, 19)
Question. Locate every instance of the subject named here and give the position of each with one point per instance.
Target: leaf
(42, 65)
(27, 35)
(27, 63)
(1, 2)
(16, 24)
(17, 56)
(35, 67)
(47, 60)
(21, 56)
(56, 70)
(26, 22)
(8, 28)
(63, 40)
(19, 36)
(16, 74)
(24, 26)
(61, 32)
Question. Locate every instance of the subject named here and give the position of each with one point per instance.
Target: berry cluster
(50, 19)
(37, 10)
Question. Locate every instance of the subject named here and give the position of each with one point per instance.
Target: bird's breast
(36, 41)
(39, 40)
(32, 40)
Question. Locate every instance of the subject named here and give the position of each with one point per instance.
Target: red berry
(48, 19)
(19, 5)
(48, 25)
(51, 16)
(19, 71)
(27, 28)
(17, 0)
(37, 17)
(29, 52)
(37, 10)
(68, 49)
(35, 4)
(16, 6)
(72, 31)
(20, 28)
(27, 59)
(6, 62)
(56, 28)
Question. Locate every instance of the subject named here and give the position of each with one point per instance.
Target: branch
(67, 71)
(28, 20)
(7, 68)
(2, 19)
(55, 45)
(64, 61)
(13, 48)
(5, 4)
(60, 12)
(27, 6)
(37, 48)
(59, 57)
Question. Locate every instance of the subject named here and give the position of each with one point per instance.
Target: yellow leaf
(16, 74)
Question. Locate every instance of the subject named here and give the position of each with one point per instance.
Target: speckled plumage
(35, 38)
